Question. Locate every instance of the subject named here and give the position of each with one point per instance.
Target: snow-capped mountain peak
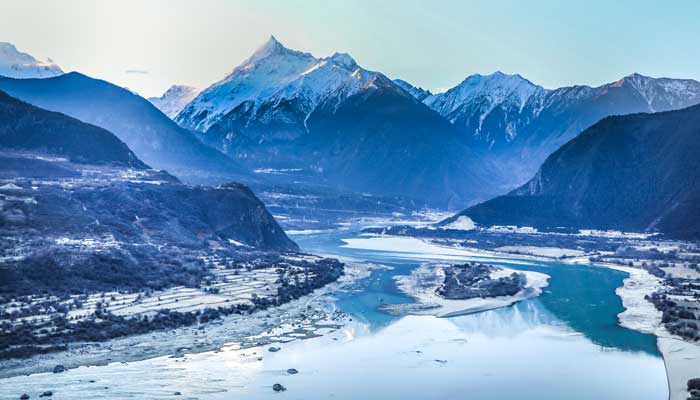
(273, 75)
(662, 94)
(478, 95)
(174, 99)
(16, 64)
(272, 47)
(495, 88)
(344, 60)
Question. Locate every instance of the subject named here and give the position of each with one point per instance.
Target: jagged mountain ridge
(174, 99)
(636, 172)
(294, 111)
(16, 64)
(519, 123)
(417, 92)
(275, 76)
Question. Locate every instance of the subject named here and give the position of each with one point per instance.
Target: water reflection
(583, 298)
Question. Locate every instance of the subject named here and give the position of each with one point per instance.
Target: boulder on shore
(58, 369)
(278, 387)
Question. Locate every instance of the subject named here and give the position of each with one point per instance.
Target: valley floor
(315, 315)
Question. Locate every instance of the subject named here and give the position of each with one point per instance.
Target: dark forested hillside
(24, 127)
(636, 173)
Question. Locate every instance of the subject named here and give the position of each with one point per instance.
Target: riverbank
(307, 317)
(681, 358)
(682, 361)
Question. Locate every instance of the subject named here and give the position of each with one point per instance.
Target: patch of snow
(10, 186)
(462, 223)
(237, 243)
(512, 229)
(406, 247)
(553, 252)
(614, 234)
(639, 314)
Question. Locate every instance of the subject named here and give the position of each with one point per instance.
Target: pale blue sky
(431, 44)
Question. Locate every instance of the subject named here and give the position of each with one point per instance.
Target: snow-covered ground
(552, 252)
(407, 247)
(639, 314)
(462, 222)
(614, 234)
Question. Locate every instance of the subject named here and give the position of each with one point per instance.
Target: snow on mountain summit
(418, 92)
(274, 74)
(270, 48)
(662, 94)
(488, 90)
(174, 99)
(16, 64)
(345, 60)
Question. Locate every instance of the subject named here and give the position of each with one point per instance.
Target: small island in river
(446, 290)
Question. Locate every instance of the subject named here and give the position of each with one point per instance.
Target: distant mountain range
(153, 136)
(637, 172)
(355, 128)
(16, 64)
(352, 128)
(24, 127)
(518, 124)
(174, 99)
